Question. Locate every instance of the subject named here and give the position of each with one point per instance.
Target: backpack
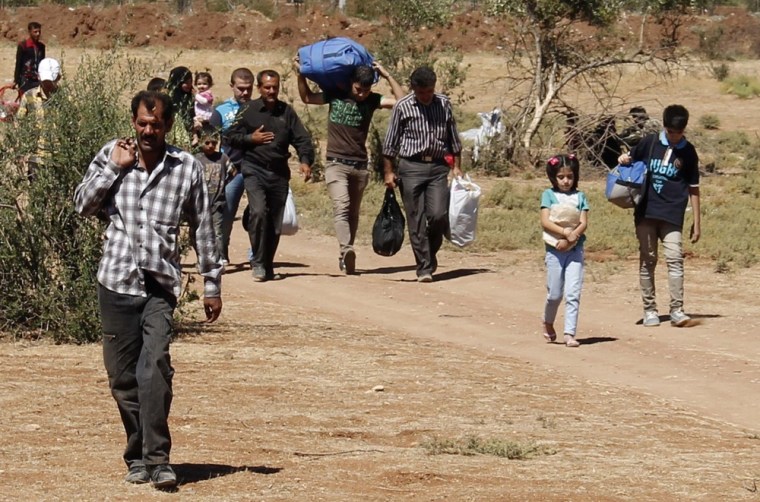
(330, 63)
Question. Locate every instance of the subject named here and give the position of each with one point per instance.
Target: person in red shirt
(29, 53)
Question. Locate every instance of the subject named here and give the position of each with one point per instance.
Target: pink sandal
(549, 337)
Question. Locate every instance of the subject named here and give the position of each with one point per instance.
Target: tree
(552, 48)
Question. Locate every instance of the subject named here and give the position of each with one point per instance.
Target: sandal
(570, 341)
(549, 337)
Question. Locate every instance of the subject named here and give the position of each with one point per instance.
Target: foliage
(473, 445)
(720, 72)
(709, 121)
(742, 86)
(49, 254)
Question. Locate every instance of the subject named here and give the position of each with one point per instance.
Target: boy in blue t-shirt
(672, 182)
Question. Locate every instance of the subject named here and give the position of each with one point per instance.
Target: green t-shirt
(348, 125)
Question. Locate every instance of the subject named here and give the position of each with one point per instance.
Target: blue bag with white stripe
(330, 63)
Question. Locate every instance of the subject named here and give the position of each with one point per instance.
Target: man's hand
(457, 171)
(124, 153)
(624, 159)
(390, 179)
(296, 65)
(306, 171)
(260, 137)
(213, 307)
(380, 69)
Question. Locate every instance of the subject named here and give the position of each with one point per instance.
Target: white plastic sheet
(464, 201)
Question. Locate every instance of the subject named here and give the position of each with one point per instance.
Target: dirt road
(493, 303)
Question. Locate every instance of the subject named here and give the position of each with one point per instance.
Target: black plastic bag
(388, 230)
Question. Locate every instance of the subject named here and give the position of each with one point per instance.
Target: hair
(363, 75)
(34, 25)
(423, 77)
(177, 77)
(156, 84)
(266, 73)
(675, 117)
(204, 75)
(557, 162)
(241, 74)
(150, 99)
(209, 132)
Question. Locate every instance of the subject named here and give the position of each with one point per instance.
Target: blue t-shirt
(671, 170)
(577, 199)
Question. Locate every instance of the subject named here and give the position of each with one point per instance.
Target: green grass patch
(473, 445)
(742, 86)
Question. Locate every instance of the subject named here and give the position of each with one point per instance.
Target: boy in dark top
(215, 166)
(672, 182)
(29, 53)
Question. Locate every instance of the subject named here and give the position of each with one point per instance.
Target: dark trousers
(425, 192)
(267, 192)
(136, 336)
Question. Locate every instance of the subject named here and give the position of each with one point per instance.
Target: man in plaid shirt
(144, 187)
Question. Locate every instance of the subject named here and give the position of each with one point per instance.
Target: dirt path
(493, 304)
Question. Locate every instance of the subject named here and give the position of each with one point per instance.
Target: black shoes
(162, 476)
(348, 262)
(137, 475)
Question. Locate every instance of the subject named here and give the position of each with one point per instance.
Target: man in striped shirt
(144, 186)
(422, 132)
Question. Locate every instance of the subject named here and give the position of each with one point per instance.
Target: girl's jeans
(648, 232)
(564, 275)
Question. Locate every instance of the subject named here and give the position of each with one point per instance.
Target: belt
(428, 159)
(358, 164)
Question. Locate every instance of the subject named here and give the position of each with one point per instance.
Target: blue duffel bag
(330, 63)
(625, 184)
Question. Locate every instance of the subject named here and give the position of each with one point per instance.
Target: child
(564, 218)
(672, 182)
(204, 99)
(215, 165)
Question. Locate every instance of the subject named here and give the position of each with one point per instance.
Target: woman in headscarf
(180, 89)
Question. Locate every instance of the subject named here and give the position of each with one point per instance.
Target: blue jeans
(564, 276)
(233, 192)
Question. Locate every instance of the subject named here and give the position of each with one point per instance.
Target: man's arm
(19, 65)
(398, 92)
(103, 171)
(198, 212)
(455, 144)
(301, 141)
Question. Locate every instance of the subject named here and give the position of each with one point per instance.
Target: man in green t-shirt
(348, 124)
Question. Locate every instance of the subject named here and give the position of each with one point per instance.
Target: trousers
(564, 278)
(267, 193)
(425, 192)
(649, 232)
(345, 185)
(136, 335)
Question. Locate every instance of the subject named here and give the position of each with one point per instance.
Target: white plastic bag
(463, 210)
(289, 216)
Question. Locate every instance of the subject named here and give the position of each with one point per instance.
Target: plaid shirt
(144, 212)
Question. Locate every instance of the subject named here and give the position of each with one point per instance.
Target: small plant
(473, 445)
(742, 86)
(710, 122)
(720, 72)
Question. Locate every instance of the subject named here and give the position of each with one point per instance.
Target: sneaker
(225, 262)
(651, 319)
(570, 341)
(425, 278)
(348, 262)
(259, 273)
(137, 475)
(162, 476)
(678, 318)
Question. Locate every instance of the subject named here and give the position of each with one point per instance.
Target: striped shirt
(417, 129)
(144, 212)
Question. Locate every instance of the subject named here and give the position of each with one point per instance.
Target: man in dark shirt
(29, 53)
(348, 124)
(264, 129)
(422, 131)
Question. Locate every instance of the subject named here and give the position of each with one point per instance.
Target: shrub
(49, 254)
(742, 86)
(720, 72)
(709, 121)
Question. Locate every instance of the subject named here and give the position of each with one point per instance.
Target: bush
(709, 121)
(720, 72)
(49, 254)
(742, 86)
